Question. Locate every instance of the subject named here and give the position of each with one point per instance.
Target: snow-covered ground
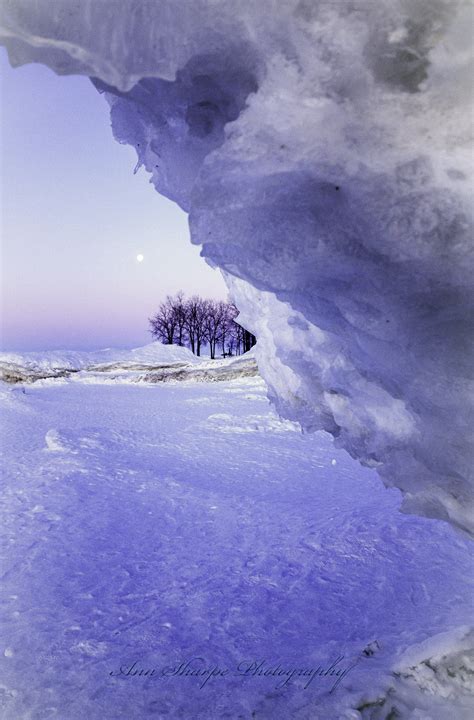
(149, 525)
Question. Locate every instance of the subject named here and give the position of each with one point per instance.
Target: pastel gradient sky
(74, 218)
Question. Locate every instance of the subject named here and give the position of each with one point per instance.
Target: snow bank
(152, 354)
(321, 151)
(153, 363)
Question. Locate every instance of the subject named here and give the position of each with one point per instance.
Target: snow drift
(33, 366)
(152, 363)
(321, 152)
(153, 354)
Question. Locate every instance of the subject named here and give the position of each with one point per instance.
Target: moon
(140, 257)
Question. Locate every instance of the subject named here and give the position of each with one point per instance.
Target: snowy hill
(154, 353)
(151, 363)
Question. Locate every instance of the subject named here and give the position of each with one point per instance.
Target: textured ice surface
(321, 150)
(157, 524)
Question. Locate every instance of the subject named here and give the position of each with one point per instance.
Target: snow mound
(153, 354)
(154, 363)
(55, 442)
(32, 366)
(322, 152)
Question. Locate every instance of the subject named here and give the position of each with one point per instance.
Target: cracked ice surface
(154, 524)
(321, 152)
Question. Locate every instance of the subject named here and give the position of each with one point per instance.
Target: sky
(74, 217)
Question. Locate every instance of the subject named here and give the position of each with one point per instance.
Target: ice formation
(321, 150)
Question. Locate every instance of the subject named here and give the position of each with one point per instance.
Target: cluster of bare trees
(195, 322)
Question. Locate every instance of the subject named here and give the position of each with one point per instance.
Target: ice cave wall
(322, 152)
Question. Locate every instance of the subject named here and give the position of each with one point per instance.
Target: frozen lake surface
(150, 526)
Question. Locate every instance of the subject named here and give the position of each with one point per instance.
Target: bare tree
(195, 309)
(163, 323)
(248, 340)
(214, 323)
(238, 337)
(237, 333)
(179, 306)
(230, 313)
(196, 321)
